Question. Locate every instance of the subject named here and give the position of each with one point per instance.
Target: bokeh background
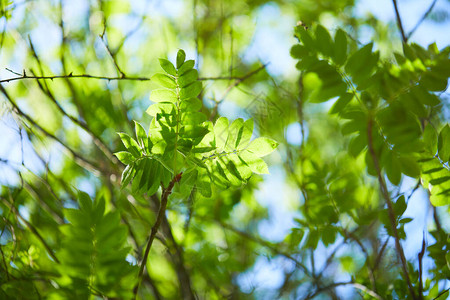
(227, 38)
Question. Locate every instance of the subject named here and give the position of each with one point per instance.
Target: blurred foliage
(361, 128)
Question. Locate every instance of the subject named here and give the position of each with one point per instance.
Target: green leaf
(433, 83)
(187, 78)
(400, 206)
(192, 118)
(409, 166)
(92, 253)
(85, 202)
(256, 164)
(161, 108)
(322, 83)
(340, 47)
(130, 144)
(244, 135)
(357, 145)
(361, 63)
(262, 146)
(242, 168)
(323, 39)
(181, 56)
(125, 157)
(233, 134)
(127, 175)
(190, 104)
(164, 80)
(221, 132)
(444, 144)
(163, 95)
(141, 136)
(191, 90)
(204, 186)
(188, 65)
(168, 67)
(405, 220)
(393, 168)
(299, 51)
(340, 104)
(305, 37)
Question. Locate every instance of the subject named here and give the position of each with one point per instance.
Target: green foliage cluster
(386, 108)
(392, 102)
(93, 252)
(180, 139)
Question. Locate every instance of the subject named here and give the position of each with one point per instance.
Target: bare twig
(399, 22)
(24, 76)
(161, 212)
(238, 81)
(425, 15)
(112, 55)
(111, 78)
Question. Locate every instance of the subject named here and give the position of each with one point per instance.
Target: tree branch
(425, 15)
(178, 259)
(176, 255)
(399, 22)
(161, 212)
(24, 76)
(385, 193)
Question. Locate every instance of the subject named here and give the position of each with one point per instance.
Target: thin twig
(425, 15)
(32, 229)
(238, 81)
(24, 76)
(112, 78)
(380, 255)
(399, 22)
(113, 56)
(161, 212)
